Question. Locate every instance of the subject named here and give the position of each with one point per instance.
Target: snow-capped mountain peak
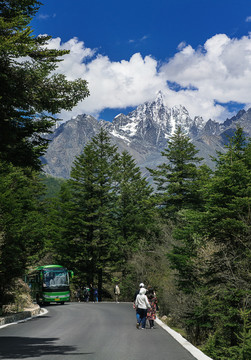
(162, 120)
(143, 133)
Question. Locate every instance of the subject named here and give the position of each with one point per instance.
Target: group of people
(87, 293)
(145, 303)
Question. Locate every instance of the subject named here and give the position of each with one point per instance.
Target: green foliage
(52, 185)
(30, 94)
(133, 209)
(106, 210)
(22, 227)
(177, 179)
(228, 193)
(87, 205)
(104, 220)
(212, 255)
(216, 344)
(244, 337)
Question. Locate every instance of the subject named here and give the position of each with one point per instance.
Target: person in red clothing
(151, 312)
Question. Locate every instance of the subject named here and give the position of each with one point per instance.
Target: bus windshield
(54, 278)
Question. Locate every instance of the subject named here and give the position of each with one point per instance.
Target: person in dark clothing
(141, 285)
(78, 294)
(95, 294)
(86, 294)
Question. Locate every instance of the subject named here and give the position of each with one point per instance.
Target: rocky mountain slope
(143, 133)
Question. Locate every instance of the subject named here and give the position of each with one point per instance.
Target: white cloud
(45, 16)
(181, 45)
(217, 72)
(221, 71)
(248, 19)
(137, 41)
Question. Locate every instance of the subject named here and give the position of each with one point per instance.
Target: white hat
(141, 285)
(142, 291)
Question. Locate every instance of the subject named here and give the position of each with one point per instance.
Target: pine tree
(22, 223)
(90, 208)
(31, 93)
(228, 225)
(176, 179)
(213, 258)
(134, 211)
(229, 193)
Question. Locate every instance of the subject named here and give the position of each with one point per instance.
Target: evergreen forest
(188, 236)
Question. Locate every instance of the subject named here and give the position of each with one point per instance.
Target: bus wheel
(62, 302)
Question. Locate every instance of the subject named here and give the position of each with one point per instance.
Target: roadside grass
(168, 321)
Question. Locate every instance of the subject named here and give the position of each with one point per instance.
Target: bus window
(56, 278)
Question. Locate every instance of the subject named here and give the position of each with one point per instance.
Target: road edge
(37, 311)
(198, 354)
(22, 316)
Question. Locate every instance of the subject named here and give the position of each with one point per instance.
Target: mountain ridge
(144, 133)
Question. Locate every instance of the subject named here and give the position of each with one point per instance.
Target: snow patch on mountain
(117, 135)
(143, 132)
(155, 115)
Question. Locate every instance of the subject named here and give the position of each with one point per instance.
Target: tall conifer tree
(91, 210)
(134, 211)
(22, 223)
(213, 256)
(176, 178)
(30, 93)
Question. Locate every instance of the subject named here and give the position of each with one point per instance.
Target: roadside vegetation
(189, 239)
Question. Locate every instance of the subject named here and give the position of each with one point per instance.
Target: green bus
(50, 283)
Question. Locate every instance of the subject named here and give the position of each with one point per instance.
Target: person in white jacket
(142, 304)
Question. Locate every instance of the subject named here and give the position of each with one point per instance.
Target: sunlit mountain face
(144, 133)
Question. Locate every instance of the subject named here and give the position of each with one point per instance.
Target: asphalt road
(87, 331)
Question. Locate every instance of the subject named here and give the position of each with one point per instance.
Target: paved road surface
(87, 331)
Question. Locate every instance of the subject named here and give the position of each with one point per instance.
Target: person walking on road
(95, 294)
(141, 285)
(142, 304)
(86, 294)
(151, 313)
(78, 294)
(117, 293)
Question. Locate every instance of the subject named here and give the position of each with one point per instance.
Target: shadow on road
(13, 347)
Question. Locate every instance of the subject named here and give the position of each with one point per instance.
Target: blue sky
(197, 52)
